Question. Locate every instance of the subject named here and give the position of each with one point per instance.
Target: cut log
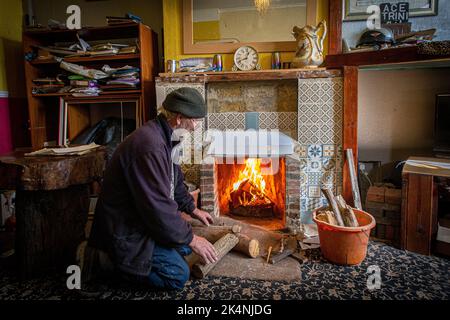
(327, 216)
(222, 246)
(246, 245)
(236, 228)
(265, 237)
(346, 212)
(249, 247)
(352, 216)
(330, 197)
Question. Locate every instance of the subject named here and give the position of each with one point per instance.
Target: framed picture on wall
(356, 9)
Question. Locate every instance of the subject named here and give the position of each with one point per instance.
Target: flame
(252, 174)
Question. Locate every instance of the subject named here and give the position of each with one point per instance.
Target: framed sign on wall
(356, 9)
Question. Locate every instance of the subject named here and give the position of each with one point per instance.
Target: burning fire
(252, 184)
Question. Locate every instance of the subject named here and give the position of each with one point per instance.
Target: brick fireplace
(258, 187)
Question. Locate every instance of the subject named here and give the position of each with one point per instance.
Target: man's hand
(203, 216)
(204, 249)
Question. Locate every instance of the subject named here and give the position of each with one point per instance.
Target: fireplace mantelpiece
(255, 75)
(307, 105)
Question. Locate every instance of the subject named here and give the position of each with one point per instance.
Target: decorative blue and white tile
(226, 121)
(328, 178)
(329, 150)
(328, 164)
(303, 165)
(315, 151)
(301, 150)
(314, 165)
(314, 191)
(314, 178)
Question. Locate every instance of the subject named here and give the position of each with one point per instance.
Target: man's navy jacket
(135, 209)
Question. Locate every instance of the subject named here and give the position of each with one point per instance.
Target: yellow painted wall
(250, 26)
(173, 35)
(10, 32)
(206, 30)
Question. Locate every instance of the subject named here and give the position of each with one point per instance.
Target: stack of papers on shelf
(68, 151)
(85, 91)
(126, 75)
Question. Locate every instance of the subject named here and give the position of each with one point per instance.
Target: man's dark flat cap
(187, 101)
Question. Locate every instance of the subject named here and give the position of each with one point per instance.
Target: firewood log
(265, 237)
(222, 246)
(347, 212)
(249, 247)
(327, 216)
(330, 197)
(236, 228)
(352, 216)
(246, 245)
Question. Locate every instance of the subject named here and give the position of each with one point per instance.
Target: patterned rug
(404, 276)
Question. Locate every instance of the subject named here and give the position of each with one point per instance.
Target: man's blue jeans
(169, 269)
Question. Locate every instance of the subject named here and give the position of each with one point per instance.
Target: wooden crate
(384, 204)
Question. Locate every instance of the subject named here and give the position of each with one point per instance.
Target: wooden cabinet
(44, 108)
(420, 204)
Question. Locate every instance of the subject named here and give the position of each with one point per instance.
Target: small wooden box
(384, 204)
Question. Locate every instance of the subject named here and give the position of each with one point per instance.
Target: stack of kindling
(339, 213)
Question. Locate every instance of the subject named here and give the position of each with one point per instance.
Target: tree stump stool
(52, 204)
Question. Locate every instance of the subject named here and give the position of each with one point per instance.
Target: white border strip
(3, 94)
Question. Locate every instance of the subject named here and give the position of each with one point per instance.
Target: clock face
(246, 58)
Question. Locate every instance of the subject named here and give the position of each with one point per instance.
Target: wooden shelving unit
(394, 57)
(43, 108)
